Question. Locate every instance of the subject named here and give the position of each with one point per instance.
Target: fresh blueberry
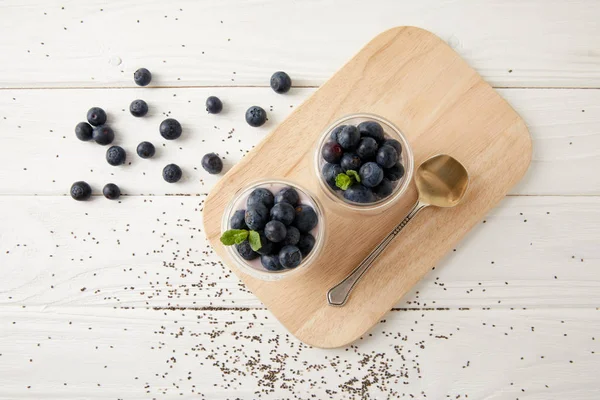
(266, 246)
(334, 133)
(145, 150)
(384, 189)
(280, 82)
(256, 116)
(115, 155)
(96, 116)
(395, 144)
(350, 161)
(138, 108)
(371, 129)
(245, 251)
(81, 191)
(214, 105)
(283, 212)
(103, 135)
(83, 131)
(275, 231)
(287, 195)
(172, 173)
(142, 77)
(330, 171)
(367, 148)
(111, 191)
(237, 220)
(292, 237)
(212, 163)
(290, 257)
(262, 196)
(306, 244)
(359, 194)
(170, 129)
(386, 156)
(271, 262)
(348, 137)
(332, 152)
(306, 218)
(371, 174)
(257, 216)
(394, 173)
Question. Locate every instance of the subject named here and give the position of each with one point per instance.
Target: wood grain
(412, 78)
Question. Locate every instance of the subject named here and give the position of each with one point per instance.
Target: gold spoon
(441, 182)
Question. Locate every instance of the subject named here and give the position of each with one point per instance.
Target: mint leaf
(352, 173)
(343, 181)
(254, 239)
(234, 236)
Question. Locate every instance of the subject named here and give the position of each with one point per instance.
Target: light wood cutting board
(414, 79)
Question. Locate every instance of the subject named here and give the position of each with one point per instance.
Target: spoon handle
(338, 295)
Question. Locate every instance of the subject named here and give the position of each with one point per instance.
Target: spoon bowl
(442, 181)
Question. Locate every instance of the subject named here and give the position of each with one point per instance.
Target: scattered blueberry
(83, 131)
(170, 129)
(257, 216)
(262, 196)
(386, 156)
(306, 218)
(172, 173)
(367, 148)
(138, 108)
(287, 195)
(256, 116)
(330, 171)
(395, 144)
(96, 116)
(334, 133)
(283, 212)
(371, 174)
(292, 237)
(275, 231)
(332, 152)
(266, 246)
(271, 262)
(281, 82)
(306, 244)
(81, 191)
(145, 150)
(245, 251)
(115, 155)
(371, 129)
(237, 220)
(359, 194)
(214, 105)
(103, 135)
(290, 256)
(111, 191)
(394, 173)
(212, 163)
(350, 161)
(384, 189)
(142, 77)
(348, 137)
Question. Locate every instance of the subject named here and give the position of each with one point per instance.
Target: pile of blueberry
(362, 162)
(275, 228)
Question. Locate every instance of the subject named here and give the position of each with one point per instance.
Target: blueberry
(395, 144)
(384, 189)
(334, 133)
(306, 244)
(266, 246)
(214, 105)
(256, 116)
(332, 152)
(371, 174)
(287, 195)
(256, 216)
(262, 196)
(103, 135)
(359, 194)
(245, 251)
(350, 161)
(96, 116)
(83, 131)
(212, 163)
(283, 212)
(81, 191)
(142, 77)
(237, 220)
(306, 218)
(371, 129)
(111, 191)
(138, 108)
(290, 256)
(394, 173)
(145, 150)
(330, 171)
(172, 173)
(292, 237)
(170, 129)
(115, 155)
(275, 231)
(367, 148)
(386, 156)
(271, 262)
(348, 137)
(280, 82)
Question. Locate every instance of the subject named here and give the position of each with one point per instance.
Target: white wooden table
(126, 300)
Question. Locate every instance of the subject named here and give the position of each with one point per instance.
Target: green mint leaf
(234, 236)
(343, 181)
(254, 239)
(352, 173)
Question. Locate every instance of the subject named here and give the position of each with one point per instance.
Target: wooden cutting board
(414, 79)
